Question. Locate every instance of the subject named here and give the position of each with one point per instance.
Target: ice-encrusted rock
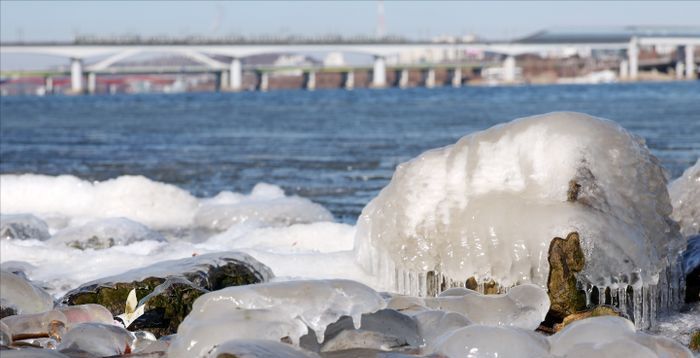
(37, 325)
(685, 198)
(489, 206)
(266, 204)
(590, 334)
(271, 311)
(98, 339)
(258, 348)
(22, 227)
(18, 296)
(157, 205)
(434, 324)
(32, 353)
(105, 233)
(524, 306)
(489, 341)
(5, 334)
(383, 330)
(86, 313)
(205, 272)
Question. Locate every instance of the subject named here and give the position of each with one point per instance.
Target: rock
(258, 348)
(383, 330)
(18, 296)
(691, 266)
(168, 288)
(50, 324)
(695, 341)
(98, 339)
(565, 261)
(5, 334)
(105, 233)
(23, 227)
(601, 310)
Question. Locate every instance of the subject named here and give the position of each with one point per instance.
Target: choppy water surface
(337, 148)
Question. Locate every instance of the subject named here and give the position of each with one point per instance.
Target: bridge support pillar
(311, 80)
(457, 77)
(76, 75)
(429, 78)
(689, 62)
(236, 75)
(379, 72)
(624, 69)
(349, 80)
(48, 85)
(263, 81)
(509, 69)
(403, 78)
(225, 79)
(633, 59)
(218, 77)
(92, 83)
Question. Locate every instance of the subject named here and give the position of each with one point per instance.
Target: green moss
(695, 341)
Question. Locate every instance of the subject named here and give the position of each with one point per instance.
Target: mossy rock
(166, 307)
(602, 310)
(112, 296)
(566, 260)
(170, 287)
(695, 341)
(490, 287)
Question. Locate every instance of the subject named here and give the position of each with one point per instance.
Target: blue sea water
(338, 148)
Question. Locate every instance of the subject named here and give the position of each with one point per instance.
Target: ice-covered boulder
(258, 348)
(691, 267)
(524, 306)
(18, 296)
(685, 198)
(271, 311)
(98, 339)
(492, 341)
(105, 233)
(22, 227)
(489, 206)
(266, 204)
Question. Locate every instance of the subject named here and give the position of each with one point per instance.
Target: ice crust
(23, 226)
(259, 348)
(489, 205)
(266, 204)
(271, 311)
(23, 296)
(105, 233)
(685, 198)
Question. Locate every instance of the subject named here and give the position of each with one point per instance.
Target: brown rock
(565, 261)
(602, 310)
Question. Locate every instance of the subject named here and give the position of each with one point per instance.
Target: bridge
(207, 52)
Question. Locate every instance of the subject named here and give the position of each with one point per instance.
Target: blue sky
(61, 20)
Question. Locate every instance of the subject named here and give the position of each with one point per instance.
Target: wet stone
(565, 261)
(691, 265)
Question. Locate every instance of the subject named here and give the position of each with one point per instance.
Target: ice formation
(685, 198)
(266, 204)
(98, 339)
(105, 233)
(524, 306)
(271, 311)
(488, 206)
(490, 341)
(22, 296)
(23, 226)
(257, 348)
